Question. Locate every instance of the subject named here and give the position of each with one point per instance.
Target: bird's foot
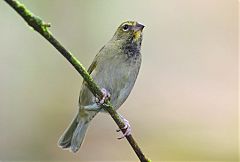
(126, 128)
(106, 96)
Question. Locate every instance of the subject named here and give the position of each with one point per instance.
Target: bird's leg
(96, 106)
(127, 128)
(106, 96)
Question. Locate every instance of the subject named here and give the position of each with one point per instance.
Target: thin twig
(41, 27)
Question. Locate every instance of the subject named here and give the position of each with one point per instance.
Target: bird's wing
(92, 66)
(95, 61)
(85, 95)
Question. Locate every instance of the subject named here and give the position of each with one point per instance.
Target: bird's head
(129, 31)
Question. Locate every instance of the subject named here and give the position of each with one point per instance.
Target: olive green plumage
(114, 68)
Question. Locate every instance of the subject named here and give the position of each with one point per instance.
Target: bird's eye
(125, 27)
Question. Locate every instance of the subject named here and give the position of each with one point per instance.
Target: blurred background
(184, 106)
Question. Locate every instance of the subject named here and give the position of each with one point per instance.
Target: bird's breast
(118, 76)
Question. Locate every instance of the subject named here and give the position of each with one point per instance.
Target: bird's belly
(118, 81)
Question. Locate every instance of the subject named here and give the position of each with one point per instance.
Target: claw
(127, 129)
(106, 95)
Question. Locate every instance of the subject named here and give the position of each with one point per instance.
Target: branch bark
(42, 28)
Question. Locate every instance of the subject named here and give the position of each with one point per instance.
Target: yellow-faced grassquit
(114, 69)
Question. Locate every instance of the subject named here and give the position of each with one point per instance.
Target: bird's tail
(73, 136)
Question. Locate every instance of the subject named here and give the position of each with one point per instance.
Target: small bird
(114, 69)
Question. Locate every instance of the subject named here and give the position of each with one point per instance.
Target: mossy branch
(41, 27)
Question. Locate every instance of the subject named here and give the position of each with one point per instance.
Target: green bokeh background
(184, 106)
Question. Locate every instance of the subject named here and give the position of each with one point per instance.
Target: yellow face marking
(137, 35)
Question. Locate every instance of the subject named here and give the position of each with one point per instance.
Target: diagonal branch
(42, 28)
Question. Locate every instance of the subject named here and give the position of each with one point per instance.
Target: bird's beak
(137, 28)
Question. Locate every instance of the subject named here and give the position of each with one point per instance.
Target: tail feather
(73, 136)
(65, 139)
(78, 135)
